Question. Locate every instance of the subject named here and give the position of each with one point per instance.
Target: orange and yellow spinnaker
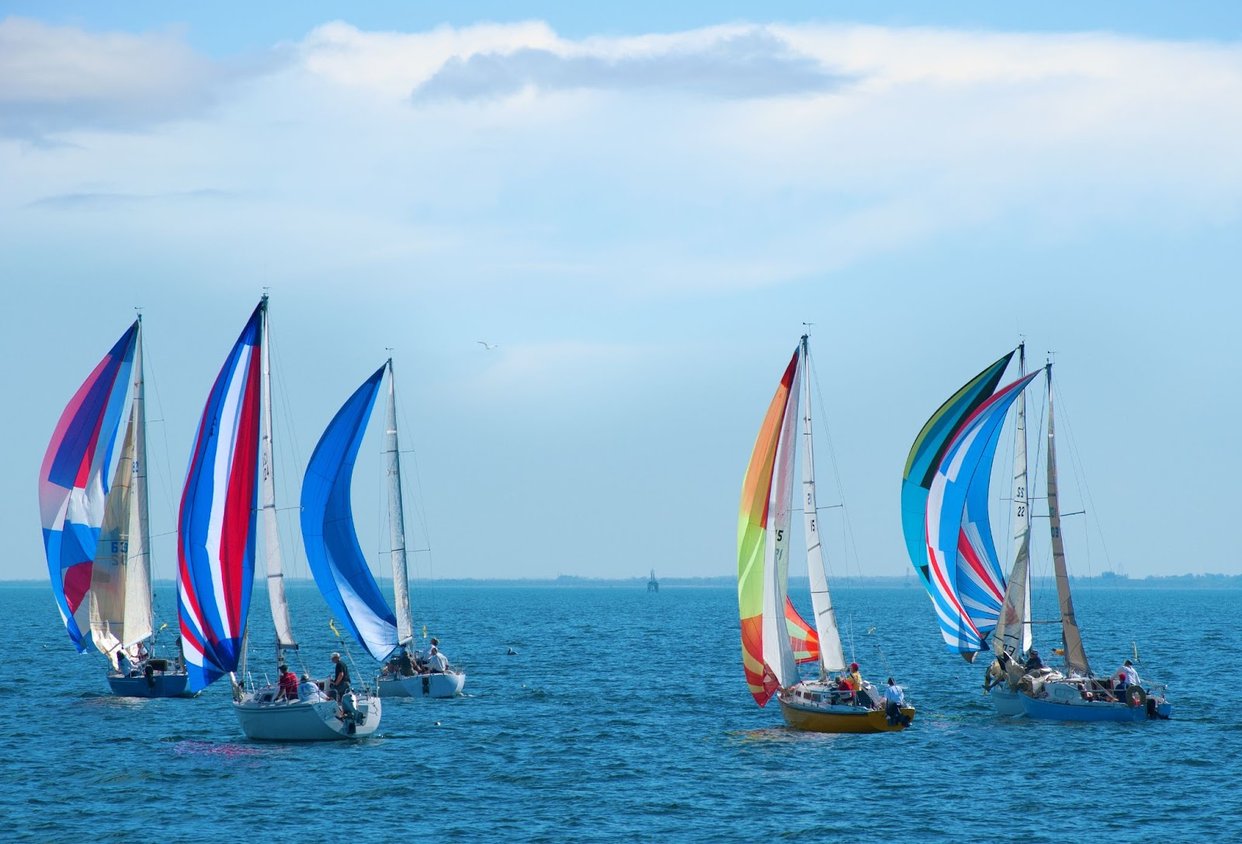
(752, 530)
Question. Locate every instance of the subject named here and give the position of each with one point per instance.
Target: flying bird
(486, 346)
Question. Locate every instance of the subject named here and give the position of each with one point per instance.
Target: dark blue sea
(624, 716)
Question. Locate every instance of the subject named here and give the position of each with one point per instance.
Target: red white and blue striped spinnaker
(216, 524)
(73, 482)
(966, 581)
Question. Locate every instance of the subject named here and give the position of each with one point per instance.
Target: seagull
(486, 346)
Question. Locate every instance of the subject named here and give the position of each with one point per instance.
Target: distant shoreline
(1107, 580)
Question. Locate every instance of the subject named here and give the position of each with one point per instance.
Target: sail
(73, 486)
(1075, 655)
(802, 636)
(777, 647)
(396, 517)
(332, 549)
(831, 655)
(120, 596)
(1013, 629)
(967, 584)
(927, 452)
(216, 522)
(752, 540)
(273, 564)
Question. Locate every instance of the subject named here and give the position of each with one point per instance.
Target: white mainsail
(1013, 629)
(777, 649)
(396, 517)
(120, 595)
(831, 655)
(267, 502)
(139, 620)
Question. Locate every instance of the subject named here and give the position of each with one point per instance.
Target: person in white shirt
(308, 691)
(894, 698)
(1132, 675)
(436, 661)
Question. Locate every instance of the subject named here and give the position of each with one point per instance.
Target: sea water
(624, 716)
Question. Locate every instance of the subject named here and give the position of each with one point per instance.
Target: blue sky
(639, 207)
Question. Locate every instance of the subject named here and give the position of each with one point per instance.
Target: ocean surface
(624, 717)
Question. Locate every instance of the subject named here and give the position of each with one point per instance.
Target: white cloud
(553, 160)
(54, 79)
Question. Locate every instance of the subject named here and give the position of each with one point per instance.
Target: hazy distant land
(1110, 580)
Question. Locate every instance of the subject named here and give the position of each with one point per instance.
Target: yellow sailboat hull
(860, 721)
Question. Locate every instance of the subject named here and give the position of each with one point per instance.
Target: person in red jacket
(288, 683)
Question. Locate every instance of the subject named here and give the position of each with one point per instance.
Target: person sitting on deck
(287, 684)
(309, 691)
(1131, 674)
(405, 665)
(141, 654)
(437, 663)
(1033, 662)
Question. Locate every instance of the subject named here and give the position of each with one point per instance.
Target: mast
(831, 656)
(396, 517)
(138, 612)
(1075, 656)
(267, 501)
(1013, 629)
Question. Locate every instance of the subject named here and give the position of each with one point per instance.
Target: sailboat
(775, 638)
(336, 559)
(229, 482)
(97, 537)
(949, 472)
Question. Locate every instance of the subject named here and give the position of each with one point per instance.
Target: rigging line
(148, 378)
(420, 512)
(851, 543)
(1080, 480)
(290, 450)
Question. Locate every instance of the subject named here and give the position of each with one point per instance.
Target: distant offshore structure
(653, 585)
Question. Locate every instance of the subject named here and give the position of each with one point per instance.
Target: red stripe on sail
(240, 501)
(759, 677)
(967, 551)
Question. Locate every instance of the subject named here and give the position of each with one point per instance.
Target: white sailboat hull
(264, 720)
(442, 685)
